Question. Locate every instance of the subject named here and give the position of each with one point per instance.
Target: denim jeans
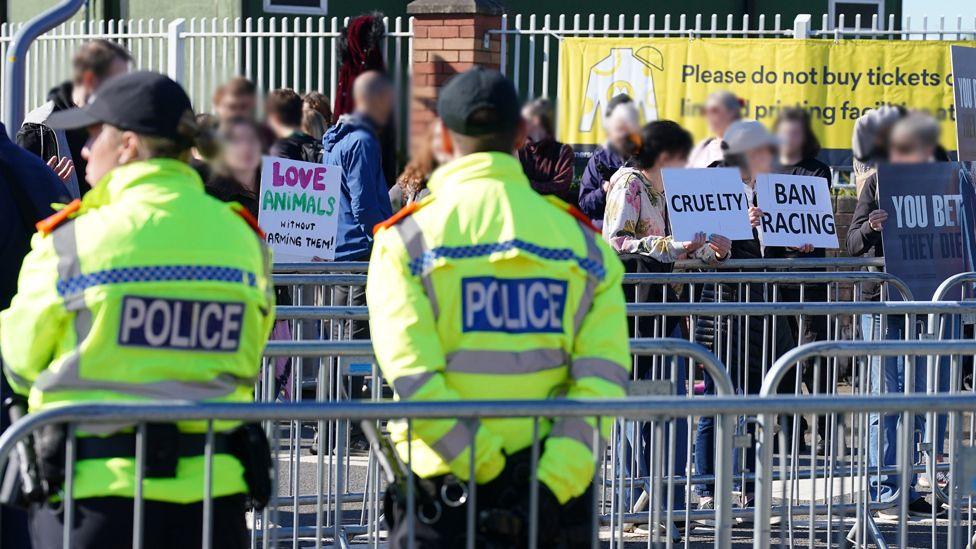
(883, 428)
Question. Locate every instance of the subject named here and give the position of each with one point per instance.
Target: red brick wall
(444, 45)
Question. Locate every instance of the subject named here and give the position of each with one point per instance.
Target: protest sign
(922, 238)
(964, 90)
(670, 79)
(706, 200)
(796, 211)
(299, 205)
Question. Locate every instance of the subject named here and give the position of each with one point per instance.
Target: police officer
(146, 289)
(487, 290)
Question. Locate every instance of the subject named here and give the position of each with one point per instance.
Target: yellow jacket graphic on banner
(670, 78)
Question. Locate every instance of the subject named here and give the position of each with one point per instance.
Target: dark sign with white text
(922, 238)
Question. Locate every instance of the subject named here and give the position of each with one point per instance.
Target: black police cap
(481, 91)
(144, 102)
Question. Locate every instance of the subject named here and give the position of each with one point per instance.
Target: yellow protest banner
(669, 78)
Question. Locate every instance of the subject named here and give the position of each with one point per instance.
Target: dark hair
(223, 134)
(618, 99)
(286, 106)
(97, 57)
(503, 141)
(811, 145)
(319, 102)
(194, 133)
(655, 138)
(542, 109)
(234, 87)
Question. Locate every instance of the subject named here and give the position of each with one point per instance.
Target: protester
(283, 109)
(94, 63)
(364, 200)
(798, 150)
(352, 144)
(547, 162)
(236, 98)
(798, 145)
(635, 221)
(313, 124)
(636, 227)
(237, 178)
(27, 190)
(722, 108)
(752, 341)
(621, 121)
(913, 139)
(319, 102)
(412, 184)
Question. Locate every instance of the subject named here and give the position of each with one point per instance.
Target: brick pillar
(448, 38)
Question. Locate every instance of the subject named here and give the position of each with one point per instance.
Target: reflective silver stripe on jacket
(594, 254)
(597, 367)
(578, 429)
(407, 385)
(456, 440)
(506, 362)
(68, 375)
(416, 245)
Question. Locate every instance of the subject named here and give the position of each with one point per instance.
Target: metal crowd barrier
(846, 463)
(616, 491)
(790, 264)
(267, 534)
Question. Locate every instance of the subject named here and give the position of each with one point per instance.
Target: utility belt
(36, 470)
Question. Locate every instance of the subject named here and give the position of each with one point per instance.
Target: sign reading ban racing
(513, 305)
(180, 325)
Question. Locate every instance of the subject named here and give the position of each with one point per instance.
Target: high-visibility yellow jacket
(146, 289)
(487, 290)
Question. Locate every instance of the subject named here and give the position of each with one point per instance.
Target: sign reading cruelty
(922, 238)
(299, 209)
(796, 211)
(708, 200)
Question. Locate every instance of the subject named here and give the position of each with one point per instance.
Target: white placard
(709, 200)
(796, 211)
(299, 209)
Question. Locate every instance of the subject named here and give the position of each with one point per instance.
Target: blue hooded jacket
(592, 199)
(364, 201)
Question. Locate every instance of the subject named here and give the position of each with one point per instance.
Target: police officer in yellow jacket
(146, 289)
(487, 290)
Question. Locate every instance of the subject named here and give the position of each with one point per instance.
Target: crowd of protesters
(620, 190)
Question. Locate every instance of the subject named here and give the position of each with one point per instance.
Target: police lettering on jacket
(513, 305)
(180, 324)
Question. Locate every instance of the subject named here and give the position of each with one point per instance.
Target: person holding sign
(750, 147)
(636, 217)
(913, 140)
(636, 227)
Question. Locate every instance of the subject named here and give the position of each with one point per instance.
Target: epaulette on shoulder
(47, 225)
(571, 210)
(404, 213)
(248, 218)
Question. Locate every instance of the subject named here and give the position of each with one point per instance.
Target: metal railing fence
(202, 53)
(865, 487)
(277, 413)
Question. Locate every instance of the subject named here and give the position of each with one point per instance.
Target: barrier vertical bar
(801, 26)
(176, 50)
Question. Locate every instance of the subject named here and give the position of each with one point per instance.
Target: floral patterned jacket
(635, 221)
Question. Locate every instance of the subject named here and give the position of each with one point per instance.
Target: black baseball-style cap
(144, 102)
(481, 91)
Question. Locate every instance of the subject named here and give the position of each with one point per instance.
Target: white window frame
(323, 9)
(832, 11)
